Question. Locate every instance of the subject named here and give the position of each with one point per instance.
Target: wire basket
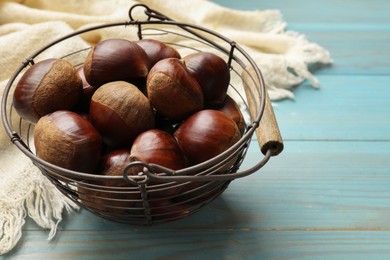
(149, 198)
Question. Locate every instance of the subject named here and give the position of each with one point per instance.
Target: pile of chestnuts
(129, 101)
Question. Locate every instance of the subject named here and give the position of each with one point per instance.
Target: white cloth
(283, 56)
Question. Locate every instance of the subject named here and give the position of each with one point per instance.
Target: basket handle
(268, 134)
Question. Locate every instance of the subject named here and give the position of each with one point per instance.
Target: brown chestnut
(120, 112)
(173, 92)
(232, 110)
(66, 139)
(112, 160)
(206, 134)
(115, 59)
(212, 74)
(109, 195)
(45, 87)
(166, 210)
(159, 147)
(157, 50)
(86, 95)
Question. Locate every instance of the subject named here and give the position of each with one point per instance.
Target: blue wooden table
(326, 196)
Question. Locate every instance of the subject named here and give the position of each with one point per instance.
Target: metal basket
(149, 198)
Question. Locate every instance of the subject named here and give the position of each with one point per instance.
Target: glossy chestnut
(173, 92)
(232, 110)
(45, 87)
(115, 59)
(87, 91)
(120, 112)
(206, 134)
(213, 75)
(158, 147)
(113, 196)
(157, 50)
(66, 139)
(167, 210)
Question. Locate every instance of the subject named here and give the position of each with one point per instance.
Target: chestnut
(166, 210)
(157, 50)
(85, 100)
(120, 112)
(109, 195)
(171, 89)
(206, 134)
(45, 87)
(113, 160)
(212, 74)
(115, 59)
(159, 147)
(66, 139)
(232, 110)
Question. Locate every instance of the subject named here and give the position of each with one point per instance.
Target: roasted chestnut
(45, 87)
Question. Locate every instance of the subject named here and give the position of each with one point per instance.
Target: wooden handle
(267, 133)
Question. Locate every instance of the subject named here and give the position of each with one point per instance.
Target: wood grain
(217, 244)
(268, 133)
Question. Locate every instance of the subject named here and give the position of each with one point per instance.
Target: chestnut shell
(66, 139)
(232, 110)
(174, 93)
(45, 87)
(159, 147)
(157, 50)
(114, 60)
(108, 196)
(213, 75)
(206, 134)
(120, 112)
(87, 91)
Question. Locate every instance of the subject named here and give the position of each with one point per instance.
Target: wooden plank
(344, 108)
(357, 39)
(209, 244)
(318, 11)
(354, 52)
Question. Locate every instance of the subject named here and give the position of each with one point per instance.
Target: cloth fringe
(40, 203)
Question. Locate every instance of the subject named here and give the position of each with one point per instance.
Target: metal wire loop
(27, 62)
(150, 13)
(137, 178)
